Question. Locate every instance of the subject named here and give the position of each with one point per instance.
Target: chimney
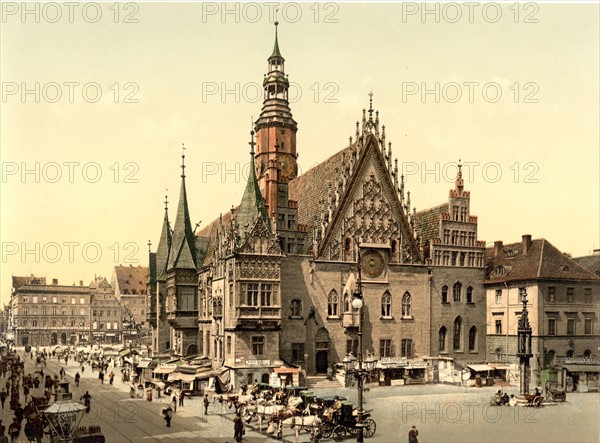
(497, 247)
(80, 282)
(526, 241)
(55, 281)
(596, 252)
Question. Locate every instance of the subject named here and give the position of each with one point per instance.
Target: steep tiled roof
(543, 261)
(17, 282)
(590, 262)
(130, 279)
(209, 235)
(313, 186)
(427, 222)
(252, 204)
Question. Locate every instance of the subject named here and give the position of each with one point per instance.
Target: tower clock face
(372, 264)
(287, 169)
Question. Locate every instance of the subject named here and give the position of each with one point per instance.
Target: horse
(261, 411)
(298, 424)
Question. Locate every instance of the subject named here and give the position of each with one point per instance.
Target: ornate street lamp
(524, 353)
(349, 360)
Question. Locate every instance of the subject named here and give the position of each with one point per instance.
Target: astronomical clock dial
(287, 168)
(372, 264)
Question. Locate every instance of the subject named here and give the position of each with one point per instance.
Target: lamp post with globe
(364, 366)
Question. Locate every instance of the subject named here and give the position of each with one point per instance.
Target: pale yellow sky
(165, 80)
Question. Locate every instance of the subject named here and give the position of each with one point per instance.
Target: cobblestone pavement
(442, 413)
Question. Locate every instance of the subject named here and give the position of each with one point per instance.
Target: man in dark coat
(238, 428)
(412, 435)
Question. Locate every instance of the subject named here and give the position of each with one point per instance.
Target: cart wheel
(339, 433)
(327, 429)
(369, 427)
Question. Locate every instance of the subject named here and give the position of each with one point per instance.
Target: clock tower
(275, 159)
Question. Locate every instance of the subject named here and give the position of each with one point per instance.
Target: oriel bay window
(186, 298)
(260, 294)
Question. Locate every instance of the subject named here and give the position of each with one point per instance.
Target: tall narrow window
(570, 326)
(470, 295)
(551, 326)
(332, 304)
(570, 295)
(588, 326)
(551, 294)
(252, 294)
(266, 289)
(386, 305)
(407, 348)
(442, 339)
(258, 345)
(457, 334)
(498, 326)
(406, 305)
(456, 292)
(472, 338)
(444, 294)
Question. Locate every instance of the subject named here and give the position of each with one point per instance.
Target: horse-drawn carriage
(555, 392)
(345, 421)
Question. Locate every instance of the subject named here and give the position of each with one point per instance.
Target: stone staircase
(320, 381)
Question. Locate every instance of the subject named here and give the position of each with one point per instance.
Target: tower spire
(253, 204)
(276, 52)
(459, 182)
(183, 247)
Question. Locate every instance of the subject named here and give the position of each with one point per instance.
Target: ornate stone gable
(370, 211)
(260, 240)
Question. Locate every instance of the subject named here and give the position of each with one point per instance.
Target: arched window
(470, 295)
(570, 353)
(386, 305)
(444, 294)
(457, 333)
(456, 291)
(348, 244)
(332, 304)
(296, 308)
(472, 338)
(587, 353)
(442, 339)
(347, 303)
(406, 304)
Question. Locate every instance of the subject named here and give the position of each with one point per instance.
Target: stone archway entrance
(63, 338)
(322, 341)
(192, 350)
(54, 339)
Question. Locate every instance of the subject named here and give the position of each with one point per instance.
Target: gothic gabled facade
(272, 275)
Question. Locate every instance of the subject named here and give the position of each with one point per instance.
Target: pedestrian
(101, 376)
(238, 428)
(87, 401)
(206, 403)
(181, 396)
(412, 435)
(174, 403)
(14, 430)
(168, 414)
(111, 377)
(77, 378)
(3, 396)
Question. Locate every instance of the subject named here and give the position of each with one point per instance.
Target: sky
(97, 100)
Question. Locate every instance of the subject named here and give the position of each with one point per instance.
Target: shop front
(582, 375)
(398, 372)
(250, 372)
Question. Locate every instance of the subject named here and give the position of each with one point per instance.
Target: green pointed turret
(276, 52)
(164, 247)
(183, 249)
(253, 204)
